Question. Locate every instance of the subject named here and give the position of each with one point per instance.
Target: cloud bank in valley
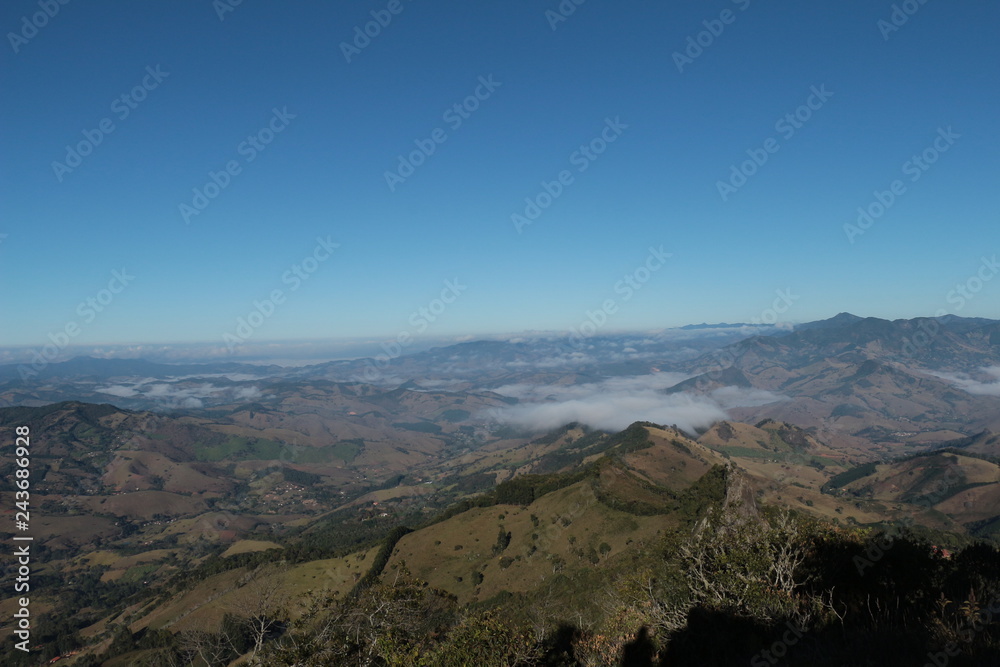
(173, 396)
(973, 386)
(615, 403)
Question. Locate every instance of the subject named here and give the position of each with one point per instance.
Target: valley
(162, 528)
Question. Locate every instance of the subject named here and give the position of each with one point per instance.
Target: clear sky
(115, 113)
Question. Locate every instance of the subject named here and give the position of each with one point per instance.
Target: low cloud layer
(180, 395)
(615, 403)
(973, 386)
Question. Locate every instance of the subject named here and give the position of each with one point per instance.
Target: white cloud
(119, 390)
(164, 390)
(181, 394)
(234, 377)
(616, 412)
(246, 393)
(441, 384)
(615, 403)
(973, 386)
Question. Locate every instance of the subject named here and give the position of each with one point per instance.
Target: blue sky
(269, 66)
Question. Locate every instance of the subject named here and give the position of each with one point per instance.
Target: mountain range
(523, 476)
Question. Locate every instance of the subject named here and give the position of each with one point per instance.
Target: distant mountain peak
(842, 318)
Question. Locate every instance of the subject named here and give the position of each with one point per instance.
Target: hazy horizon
(303, 352)
(297, 351)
